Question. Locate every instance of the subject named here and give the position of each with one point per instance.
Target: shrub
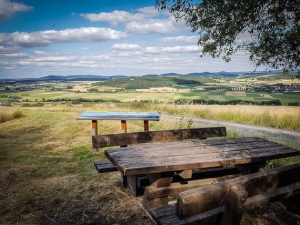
(7, 114)
(17, 114)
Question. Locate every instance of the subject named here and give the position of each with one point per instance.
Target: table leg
(94, 131)
(123, 130)
(146, 125)
(157, 180)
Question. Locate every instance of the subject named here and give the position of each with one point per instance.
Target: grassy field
(46, 162)
(186, 96)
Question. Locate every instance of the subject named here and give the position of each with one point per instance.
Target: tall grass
(8, 113)
(281, 117)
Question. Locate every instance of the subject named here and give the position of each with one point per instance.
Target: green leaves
(271, 27)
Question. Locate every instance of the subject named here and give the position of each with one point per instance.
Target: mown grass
(46, 166)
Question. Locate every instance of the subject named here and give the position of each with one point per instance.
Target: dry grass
(283, 117)
(6, 113)
(47, 174)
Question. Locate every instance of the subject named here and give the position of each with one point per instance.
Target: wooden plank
(178, 187)
(234, 205)
(100, 141)
(166, 215)
(275, 195)
(104, 166)
(194, 148)
(202, 199)
(143, 181)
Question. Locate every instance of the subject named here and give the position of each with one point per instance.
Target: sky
(99, 37)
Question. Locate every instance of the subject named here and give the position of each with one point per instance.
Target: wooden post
(146, 125)
(159, 180)
(94, 131)
(234, 205)
(123, 126)
(123, 130)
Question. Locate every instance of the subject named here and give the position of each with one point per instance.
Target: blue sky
(96, 37)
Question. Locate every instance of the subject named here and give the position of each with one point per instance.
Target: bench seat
(105, 166)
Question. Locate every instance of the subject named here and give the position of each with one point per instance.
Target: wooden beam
(234, 205)
(208, 197)
(176, 188)
(100, 141)
(105, 166)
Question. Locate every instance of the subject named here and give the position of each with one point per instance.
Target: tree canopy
(269, 29)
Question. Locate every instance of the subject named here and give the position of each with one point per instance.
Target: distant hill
(70, 78)
(81, 77)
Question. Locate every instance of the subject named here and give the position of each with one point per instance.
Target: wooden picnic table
(161, 161)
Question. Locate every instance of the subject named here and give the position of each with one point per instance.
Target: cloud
(126, 47)
(159, 26)
(8, 9)
(14, 55)
(114, 17)
(83, 34)
(176, 49)
(180, 39)
(85, 49)
(149, 11)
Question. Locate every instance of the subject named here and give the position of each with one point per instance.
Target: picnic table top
(186, 155)
(95, 115)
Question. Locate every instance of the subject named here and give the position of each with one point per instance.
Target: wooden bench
(224, 202)
(137, 183)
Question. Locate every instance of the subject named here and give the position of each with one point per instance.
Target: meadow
(185, 96)
(46, 159)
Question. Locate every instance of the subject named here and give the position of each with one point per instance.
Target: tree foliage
(270, 29)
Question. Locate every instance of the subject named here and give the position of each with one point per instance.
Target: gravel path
(281, 136)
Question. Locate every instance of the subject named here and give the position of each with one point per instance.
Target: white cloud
(149, 11)
(180, 39)
(14, 55)
(125, 47)
(175, 49)
(96, 58)
(8, 9)
(83, 34)
(85, 49)
(159, 26)
(114, 17)
(40, 52)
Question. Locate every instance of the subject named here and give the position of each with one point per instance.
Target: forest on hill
(145, 82)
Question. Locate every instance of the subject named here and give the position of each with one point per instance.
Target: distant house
(4, 104)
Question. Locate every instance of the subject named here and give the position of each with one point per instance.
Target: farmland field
(259, 90)
(43, 95)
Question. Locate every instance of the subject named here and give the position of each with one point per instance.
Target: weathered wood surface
(234, 205)
(208, 197)
(104, 166)
(166, 214)
(186, 155)
(104, 140)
